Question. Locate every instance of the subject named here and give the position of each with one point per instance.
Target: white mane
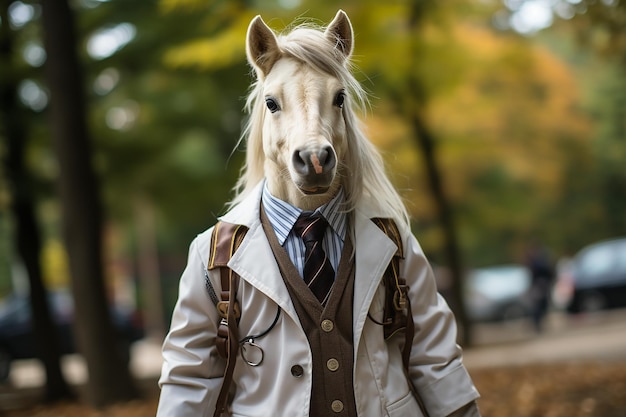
(362, 173)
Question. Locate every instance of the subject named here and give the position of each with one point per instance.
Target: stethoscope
(252, 353)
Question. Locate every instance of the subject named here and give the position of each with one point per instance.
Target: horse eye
(272, 105)
(339, 99)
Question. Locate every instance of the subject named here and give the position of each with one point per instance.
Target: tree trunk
(413, 102)
(27, 236)
(109, 377)
(426, 143)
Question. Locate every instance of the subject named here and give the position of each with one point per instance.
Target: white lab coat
(192, 370)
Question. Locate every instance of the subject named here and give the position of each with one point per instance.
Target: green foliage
(530, 130)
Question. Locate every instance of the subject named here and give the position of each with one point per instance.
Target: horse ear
(340, 33)
(261, 46)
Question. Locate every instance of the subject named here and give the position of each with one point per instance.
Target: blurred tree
(599, 29)
(598, 25)
(607, 109)
(516, 123)
(164, 130)
(109, 377)
(509, 119)
(412, 102)
(27, 234)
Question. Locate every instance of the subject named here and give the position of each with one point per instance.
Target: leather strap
(233, 348)
(396, 306)
(225, 240)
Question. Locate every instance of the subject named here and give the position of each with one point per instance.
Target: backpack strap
(397, 315)
(225, 240)
(397, 309)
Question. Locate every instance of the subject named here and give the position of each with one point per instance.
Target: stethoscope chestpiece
(251, 353)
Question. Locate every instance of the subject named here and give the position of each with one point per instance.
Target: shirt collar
(283, 215)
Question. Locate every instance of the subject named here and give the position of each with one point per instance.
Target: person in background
(542, 275)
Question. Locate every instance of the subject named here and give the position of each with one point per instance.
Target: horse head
(302, 96)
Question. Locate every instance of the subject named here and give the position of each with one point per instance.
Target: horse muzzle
(315, 169)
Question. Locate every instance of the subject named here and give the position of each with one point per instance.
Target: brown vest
(328, 330)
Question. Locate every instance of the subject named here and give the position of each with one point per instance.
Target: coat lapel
(254, 260)
(374, 251)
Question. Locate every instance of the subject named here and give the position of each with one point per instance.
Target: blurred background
(503, 123)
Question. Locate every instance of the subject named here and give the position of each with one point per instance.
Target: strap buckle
(400, 298)
(222, 308)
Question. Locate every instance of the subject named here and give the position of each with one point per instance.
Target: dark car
(17, 340)
(599, 277)
(498, 293)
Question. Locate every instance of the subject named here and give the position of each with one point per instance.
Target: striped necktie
(318, 273)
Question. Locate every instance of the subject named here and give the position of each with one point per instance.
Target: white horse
(302, 134)
(303, 139)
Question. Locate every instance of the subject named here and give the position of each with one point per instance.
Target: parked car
(599, 277)
(498, 293)
(17, 340)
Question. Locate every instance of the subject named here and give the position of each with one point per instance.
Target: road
(601, 336)
(597, 337)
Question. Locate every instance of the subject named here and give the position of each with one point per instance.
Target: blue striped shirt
(283, 216)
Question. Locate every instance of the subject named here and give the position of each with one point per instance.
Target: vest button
(297, 371)
(327, 325)
(332, 364)
(337, 406)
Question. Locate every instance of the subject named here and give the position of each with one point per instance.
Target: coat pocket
(405, 406)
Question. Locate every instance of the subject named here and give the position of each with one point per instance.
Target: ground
(559, 390)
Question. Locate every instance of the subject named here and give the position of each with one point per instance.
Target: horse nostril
(321, 156)
(327, 158)
(299, 159)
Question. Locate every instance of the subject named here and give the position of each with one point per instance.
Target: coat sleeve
(435, 367)
(192, 371)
